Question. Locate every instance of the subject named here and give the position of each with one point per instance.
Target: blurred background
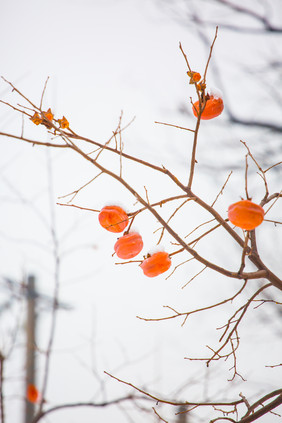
(105, 58)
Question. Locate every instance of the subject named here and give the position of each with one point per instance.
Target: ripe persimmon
(245, 214)
(213, 108)
(113, 218)
(129, 245)
(32, 393)
(156, 264)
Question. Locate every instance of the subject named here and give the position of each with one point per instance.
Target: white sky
(104, 57)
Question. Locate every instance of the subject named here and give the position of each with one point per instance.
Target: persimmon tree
(239, 225)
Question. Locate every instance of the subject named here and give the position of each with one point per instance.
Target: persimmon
(213, 108)
(129, 245)
(32, 393)
(156, 264)
(113, 218)
(245, 214)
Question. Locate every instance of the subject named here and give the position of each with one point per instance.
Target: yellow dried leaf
(64, 123)
(36, 119)
(194, 77)
(48, 115)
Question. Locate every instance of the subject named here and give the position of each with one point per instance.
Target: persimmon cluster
(244, 214)
(130, 244)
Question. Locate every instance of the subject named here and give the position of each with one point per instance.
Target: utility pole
(30, 344)
(182, 417)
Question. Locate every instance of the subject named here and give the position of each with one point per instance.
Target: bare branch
(43, 92)
(176, 126)
(209, 58)
(175, 403)
(90, 404)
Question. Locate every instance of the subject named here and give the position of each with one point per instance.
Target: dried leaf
(64, 123)
(48, 115)
(194, 77)
(36, 119)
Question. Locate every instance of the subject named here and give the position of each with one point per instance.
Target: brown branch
(262, 173)
(23, 96)
(75, 192)
(209, 58)
(222, 189)
(176, 126)
(157, 414)
(244, 309)
(194, 277)
(116, 401)
(43, 92)
(15, 108)
(265, 409)
(258, 403)
(33, 142)
(186, 314)
(158, 203)
(176, 403)
(129, 157)
(270, 167)
(171, 216)
(78, 207)
(244, 252)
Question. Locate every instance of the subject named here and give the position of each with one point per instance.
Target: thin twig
(177, 314)
(209, 58)
(19, 92)
(276, 164)
(222, 189)
(43, 92)
(246, 177)
(74, 193)
(157, 414)
(176, 403)
(194, 277)
(78, 207)
(176, 126)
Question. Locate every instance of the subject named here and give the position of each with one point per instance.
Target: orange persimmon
(213, 108)
(128, 246)
(245, 214)
(32, 393)
(156, 264)
(113, 218)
